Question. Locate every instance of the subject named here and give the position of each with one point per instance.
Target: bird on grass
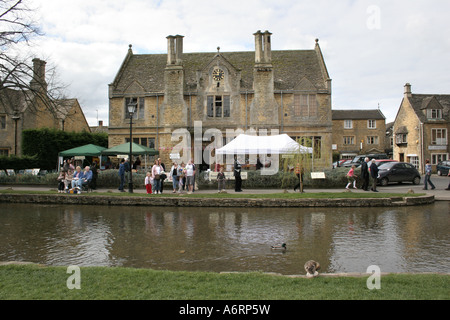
(282, 247)
(311, 268)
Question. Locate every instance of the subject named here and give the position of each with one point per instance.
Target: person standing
(190, 176)
(163, 175)
(428, 176)
(365, 174)
(174, 174)
(122, 175)
(156, 175)
(94, 170)
(237, 175)
(374, 174)
(221, 180)
(148, 183)
(299, 172)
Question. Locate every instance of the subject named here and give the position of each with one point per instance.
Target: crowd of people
(72, 179)
(182, 176)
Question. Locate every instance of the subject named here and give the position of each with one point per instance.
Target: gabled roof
(289, 68)
(372, 114)
(420, 102)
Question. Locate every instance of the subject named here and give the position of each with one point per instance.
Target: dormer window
(434, 114)
(140, 107)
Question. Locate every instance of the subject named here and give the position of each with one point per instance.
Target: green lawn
(281, 195)
(50, 283)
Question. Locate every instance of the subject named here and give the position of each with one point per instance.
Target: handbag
(157, 176)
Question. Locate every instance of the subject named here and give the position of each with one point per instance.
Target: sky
(371, 47)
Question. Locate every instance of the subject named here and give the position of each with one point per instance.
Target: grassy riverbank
(50, 283)
(281, 195)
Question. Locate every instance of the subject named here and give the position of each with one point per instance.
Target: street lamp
(131, 110)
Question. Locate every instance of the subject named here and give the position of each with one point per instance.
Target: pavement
(439, 193)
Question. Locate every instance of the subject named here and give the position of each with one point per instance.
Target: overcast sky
(371, 48)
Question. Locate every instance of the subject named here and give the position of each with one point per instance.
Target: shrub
(334, 178)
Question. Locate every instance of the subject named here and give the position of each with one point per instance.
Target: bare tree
(19, 72)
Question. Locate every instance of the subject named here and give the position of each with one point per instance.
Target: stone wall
(211, 202)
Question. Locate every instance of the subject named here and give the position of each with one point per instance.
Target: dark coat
(364, 170)
(237, 169)
(373, 170)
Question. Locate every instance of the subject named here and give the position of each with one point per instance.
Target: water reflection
(341, 239)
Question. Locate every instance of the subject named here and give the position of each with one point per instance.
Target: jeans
(76, 183)
(427, 180)
(175, 182)
(157, 185)
(122, 181)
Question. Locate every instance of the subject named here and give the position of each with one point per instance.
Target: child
(61, 178)
(351, 176)
(148, 183)
(221, 180)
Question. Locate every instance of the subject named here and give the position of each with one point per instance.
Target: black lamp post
(131, 110)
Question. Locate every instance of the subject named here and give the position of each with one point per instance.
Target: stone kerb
(212, 202)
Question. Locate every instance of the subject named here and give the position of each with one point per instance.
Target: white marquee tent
(275, 144)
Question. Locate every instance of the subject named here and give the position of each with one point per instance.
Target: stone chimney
(407, 93)
(264, 108)
(174, 109)
(263, 50)
(174, 50)
(38, 82)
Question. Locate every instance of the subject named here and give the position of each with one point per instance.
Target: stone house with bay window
(421, 128)
(286, 90)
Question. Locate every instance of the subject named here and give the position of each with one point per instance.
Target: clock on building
(218, 74)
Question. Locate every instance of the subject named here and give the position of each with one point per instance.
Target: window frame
(403, 136)
(438, 157)
(435, 139)
(140, 107)
(3, 124)
(305, 105)
(348, 124)
(437, 114)
(372, 140)
(371, 124)
(218, 106)
(348, 140)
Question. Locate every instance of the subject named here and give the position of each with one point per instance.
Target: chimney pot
(407, 90)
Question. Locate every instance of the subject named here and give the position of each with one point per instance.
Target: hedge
(109, 179)
(45, 144)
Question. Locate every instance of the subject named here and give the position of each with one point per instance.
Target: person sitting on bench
(87, 177)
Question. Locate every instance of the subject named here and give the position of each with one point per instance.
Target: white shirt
(189, 170)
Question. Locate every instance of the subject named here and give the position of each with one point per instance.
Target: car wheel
(384, 182)
(416, 180)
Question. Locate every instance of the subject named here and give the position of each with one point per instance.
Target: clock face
(218, 74)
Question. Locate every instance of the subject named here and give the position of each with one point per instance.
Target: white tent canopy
(274, 144)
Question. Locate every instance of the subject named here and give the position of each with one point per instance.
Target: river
(401, 239)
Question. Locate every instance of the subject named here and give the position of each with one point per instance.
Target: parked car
(338, 163)
(358, 160)
(381, 161)
(443, 167)
(398, 172)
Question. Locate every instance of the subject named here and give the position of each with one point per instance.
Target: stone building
(421, 128)
(358, 132)
(32, 109)
(286, 90)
